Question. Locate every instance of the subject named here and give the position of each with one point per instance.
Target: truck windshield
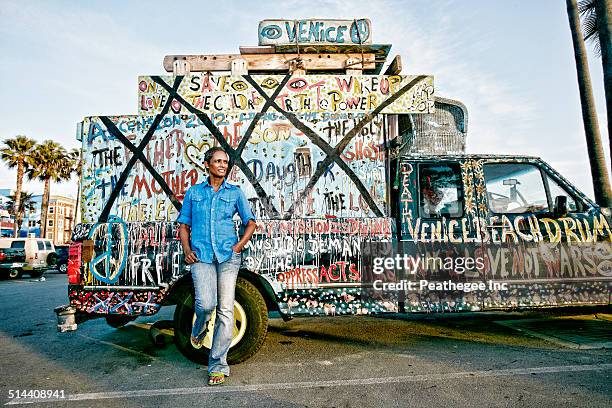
(514, 188)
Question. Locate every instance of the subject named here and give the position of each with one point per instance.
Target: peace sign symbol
(108, 264)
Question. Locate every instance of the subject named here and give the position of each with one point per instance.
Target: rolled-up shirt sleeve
(244, 208)
(185, 215)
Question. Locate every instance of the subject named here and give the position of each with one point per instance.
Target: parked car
(62, 258)
(39, 253)
(12, 262)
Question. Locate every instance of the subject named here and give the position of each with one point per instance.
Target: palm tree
(597, 23)
(599, 172)
(14, 153)
(48, 162)
(20, 206)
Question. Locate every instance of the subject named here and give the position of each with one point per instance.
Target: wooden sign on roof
(315, 31)
(303, 95)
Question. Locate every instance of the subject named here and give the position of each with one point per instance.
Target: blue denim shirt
(210, 215)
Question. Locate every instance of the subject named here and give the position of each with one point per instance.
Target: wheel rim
(63, 267)
(13, 273)
(240, 325)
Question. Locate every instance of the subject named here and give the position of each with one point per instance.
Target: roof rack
(323, 59)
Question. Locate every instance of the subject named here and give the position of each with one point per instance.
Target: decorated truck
(349, 166)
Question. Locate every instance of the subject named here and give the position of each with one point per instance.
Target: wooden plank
(381, 50)
(268, 62)
(315, 31)
(353, 67)
(257, 49)
(395, 67)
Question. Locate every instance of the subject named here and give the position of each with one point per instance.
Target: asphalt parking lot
(414, 360)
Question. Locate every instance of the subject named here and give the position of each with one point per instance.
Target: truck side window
(18, 244)
(556, 190)
(440, 190)
(47, 245)
(515, 188)
(41, 245)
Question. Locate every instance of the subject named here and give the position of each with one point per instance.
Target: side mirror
(560, 208)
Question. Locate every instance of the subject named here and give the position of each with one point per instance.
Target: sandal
(216, 378)
(197, 342)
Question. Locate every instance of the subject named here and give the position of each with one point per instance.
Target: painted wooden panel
(305, 94)
(315, 31)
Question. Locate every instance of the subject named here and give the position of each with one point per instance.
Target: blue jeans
(215, 285)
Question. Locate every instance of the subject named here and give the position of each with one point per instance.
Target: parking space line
(122, 348)
(579, 338)
(147, 326)
(316, 384)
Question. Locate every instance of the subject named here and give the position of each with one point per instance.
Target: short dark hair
(210, 152)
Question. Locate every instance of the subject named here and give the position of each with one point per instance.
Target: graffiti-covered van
(365, 200)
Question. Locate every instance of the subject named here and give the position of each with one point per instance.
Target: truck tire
(13, 273)
(118, 321)
(52, 259)
(250, 314)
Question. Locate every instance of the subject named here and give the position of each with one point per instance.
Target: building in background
(60, 219)
(30, 225)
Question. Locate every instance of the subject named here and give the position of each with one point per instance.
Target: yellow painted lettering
(553, 237)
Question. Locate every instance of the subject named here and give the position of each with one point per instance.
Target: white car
(40, 253)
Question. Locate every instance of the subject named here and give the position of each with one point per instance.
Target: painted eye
(297, 84)
(271, 31)
(269, 83)
(239, 86)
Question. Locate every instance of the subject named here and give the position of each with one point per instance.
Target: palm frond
(15, 150)
(588, 14)
(46, 162)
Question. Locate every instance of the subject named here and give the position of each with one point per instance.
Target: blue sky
(510, 62)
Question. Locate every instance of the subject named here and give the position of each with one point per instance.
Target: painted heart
(195, 155)
(176, 106)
